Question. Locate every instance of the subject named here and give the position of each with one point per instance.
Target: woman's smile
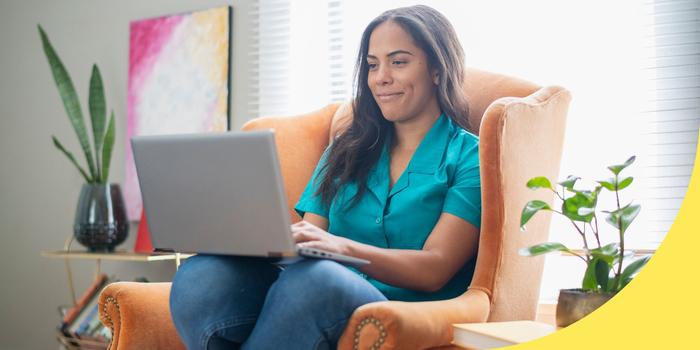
(389, 97)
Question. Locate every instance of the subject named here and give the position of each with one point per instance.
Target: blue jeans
(223, 302)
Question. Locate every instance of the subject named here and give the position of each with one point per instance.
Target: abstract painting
(179, 81)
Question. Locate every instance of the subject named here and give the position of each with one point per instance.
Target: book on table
(90, 293)
(491, 335)
(82, 321)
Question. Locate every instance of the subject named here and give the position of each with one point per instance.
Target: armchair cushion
(138, 314)
(412, 325)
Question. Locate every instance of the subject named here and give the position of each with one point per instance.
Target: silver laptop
(218, 193)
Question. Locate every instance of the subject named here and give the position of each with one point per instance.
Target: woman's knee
(324, 283)
(313, 298)
(313, 273)
(206, 283)
(196, 277)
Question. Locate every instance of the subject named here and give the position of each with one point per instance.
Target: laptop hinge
(281, 254)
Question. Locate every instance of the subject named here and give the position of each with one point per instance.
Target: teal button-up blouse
(442, 176)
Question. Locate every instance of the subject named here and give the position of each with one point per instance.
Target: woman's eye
(398, 62)
(372, 65)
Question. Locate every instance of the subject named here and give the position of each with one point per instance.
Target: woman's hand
(308, 235)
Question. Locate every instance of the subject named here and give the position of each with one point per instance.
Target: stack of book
(82, 321)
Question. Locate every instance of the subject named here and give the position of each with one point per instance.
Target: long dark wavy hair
(356, 151)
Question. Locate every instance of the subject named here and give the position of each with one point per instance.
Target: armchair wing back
(521, 129)
(524, 139)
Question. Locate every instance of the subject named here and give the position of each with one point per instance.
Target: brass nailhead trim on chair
(109, 319)
(376, 323)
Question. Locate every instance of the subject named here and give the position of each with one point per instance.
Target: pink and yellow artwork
(178, 81)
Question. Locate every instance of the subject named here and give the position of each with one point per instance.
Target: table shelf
(119, 255)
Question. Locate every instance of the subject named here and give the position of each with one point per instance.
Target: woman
(400, 187)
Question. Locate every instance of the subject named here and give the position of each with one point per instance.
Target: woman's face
(399, 77)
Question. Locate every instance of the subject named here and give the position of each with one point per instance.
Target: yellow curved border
(660, 308)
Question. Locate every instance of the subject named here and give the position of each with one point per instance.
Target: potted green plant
(604, 275)
(100, 220)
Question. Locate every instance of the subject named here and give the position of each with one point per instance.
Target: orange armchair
(521, 128)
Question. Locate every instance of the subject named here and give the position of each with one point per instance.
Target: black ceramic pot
(100, 218)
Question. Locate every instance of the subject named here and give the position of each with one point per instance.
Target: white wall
(38, 186)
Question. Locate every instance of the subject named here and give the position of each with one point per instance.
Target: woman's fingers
(301, 223)
(301, 235)
(303, 231)
(310, 236)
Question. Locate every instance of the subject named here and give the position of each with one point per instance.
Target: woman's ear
(436, 77)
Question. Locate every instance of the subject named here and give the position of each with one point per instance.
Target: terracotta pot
(574, 304)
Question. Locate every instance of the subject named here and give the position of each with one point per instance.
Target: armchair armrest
(412, 325)
(138, 314)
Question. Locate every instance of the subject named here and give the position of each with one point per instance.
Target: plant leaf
(606, 253)
(70, 99)
(612, 184)
(585, 211)
(602, 274)
(609, 184)
(616, 169)
(628, 214)
(624, 183)
(582, 199)
(612, 218)
(544, 248)
(107, 149)
(594, 195)
(539, 182)
(631, 269)
(569, 182)
(98, 114)
(590, 282)
(608, 258)
(530, 209)
(623, 216)
(70, 157)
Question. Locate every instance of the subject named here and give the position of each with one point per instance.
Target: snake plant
(103, 140)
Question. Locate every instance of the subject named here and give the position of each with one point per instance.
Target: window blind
(338, 72)
(672, 109)
(269, 58)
